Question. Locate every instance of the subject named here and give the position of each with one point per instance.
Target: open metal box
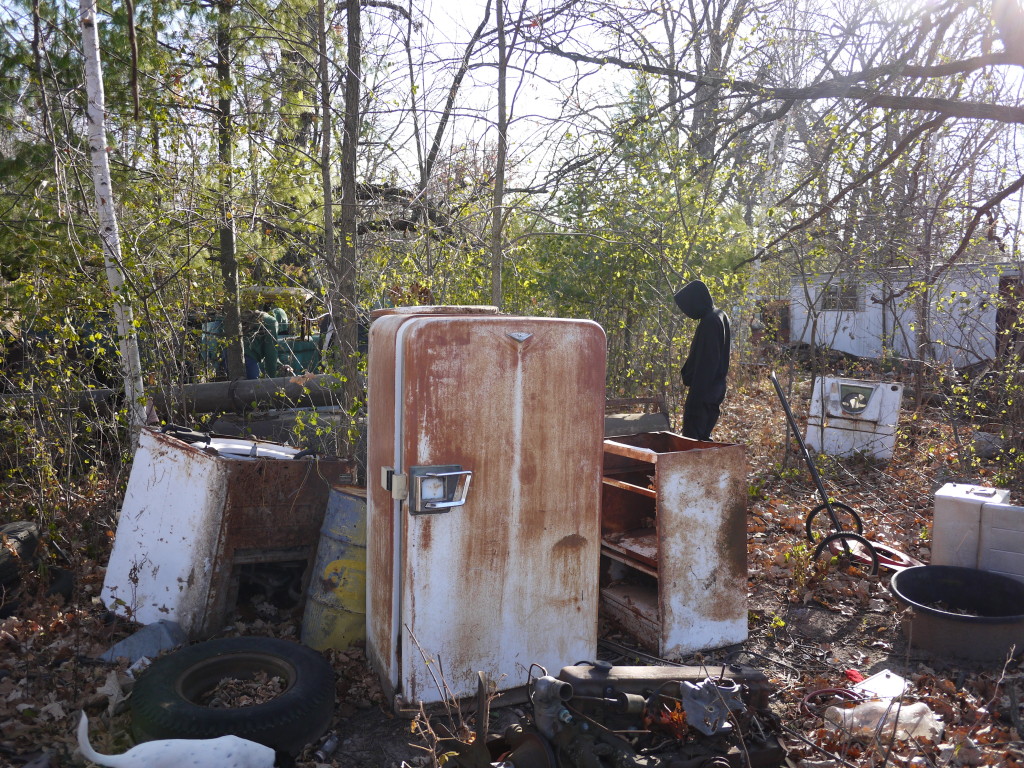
(674, 545)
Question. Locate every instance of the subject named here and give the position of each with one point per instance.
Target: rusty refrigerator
(484, 477)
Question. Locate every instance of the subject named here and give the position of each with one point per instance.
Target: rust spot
(731, 541)
(270, 507)
(572, 541)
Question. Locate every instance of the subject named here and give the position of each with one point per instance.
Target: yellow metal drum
(335, 615)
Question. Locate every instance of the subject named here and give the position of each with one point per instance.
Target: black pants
(699, 419)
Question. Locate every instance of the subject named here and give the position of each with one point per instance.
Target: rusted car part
(602, 716)
(593, 680)
(708, 705)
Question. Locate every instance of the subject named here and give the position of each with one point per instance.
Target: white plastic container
(850, 416)
(884, 719)
(957, 523)
(1001, 540)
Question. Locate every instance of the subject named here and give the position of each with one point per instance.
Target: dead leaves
(821, 623)
(232, 693)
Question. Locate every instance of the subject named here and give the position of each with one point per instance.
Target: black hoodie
(707, 364)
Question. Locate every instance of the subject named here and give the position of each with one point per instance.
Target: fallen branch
(210, 397)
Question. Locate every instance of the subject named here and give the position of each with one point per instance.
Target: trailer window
(839, 297)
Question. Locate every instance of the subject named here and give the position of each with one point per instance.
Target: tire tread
(286, 723)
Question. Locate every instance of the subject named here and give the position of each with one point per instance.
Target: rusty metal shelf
(640, 545)
(648, 492)
(628, 560)
(673, 520)
(635, 606)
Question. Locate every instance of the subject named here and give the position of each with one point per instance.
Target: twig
(439, 681)
(808, 742)
(1011, 691)
(895, 726)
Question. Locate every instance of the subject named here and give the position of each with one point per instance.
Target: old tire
(18, 542)
(164, 700)
(62, 582)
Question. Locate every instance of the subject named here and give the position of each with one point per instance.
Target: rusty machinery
(604, 716)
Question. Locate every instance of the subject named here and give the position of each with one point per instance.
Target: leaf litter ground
(811, 627)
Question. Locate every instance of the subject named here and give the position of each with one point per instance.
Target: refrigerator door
(508, 577)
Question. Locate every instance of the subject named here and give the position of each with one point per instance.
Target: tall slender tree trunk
(343, 300)
(225, 144)
(497, 209)
(326, 133)
(110, 239)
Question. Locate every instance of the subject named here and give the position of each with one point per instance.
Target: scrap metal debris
(602, 716)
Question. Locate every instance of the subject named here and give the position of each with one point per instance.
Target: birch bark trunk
(327, 132)
(127, 340)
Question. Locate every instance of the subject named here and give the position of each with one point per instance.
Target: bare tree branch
(843, 87)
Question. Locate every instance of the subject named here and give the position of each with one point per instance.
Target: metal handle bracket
(434, 490)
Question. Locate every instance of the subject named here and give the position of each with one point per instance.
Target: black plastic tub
(962, 613)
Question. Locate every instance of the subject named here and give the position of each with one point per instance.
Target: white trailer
(872, 314)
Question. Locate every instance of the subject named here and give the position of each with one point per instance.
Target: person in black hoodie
(707, 364)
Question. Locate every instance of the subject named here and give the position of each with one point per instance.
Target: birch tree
(110, 240)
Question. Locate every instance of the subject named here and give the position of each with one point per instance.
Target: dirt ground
(811, 627)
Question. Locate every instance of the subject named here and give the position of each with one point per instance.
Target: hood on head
(694, 299)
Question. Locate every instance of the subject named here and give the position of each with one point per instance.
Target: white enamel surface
(833, 431)
(702, 566)
(956, 524)
(510, 578)
(166, 535)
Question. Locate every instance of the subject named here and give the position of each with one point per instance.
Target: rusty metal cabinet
(198, 519)
(674, 545)
(494, 570)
